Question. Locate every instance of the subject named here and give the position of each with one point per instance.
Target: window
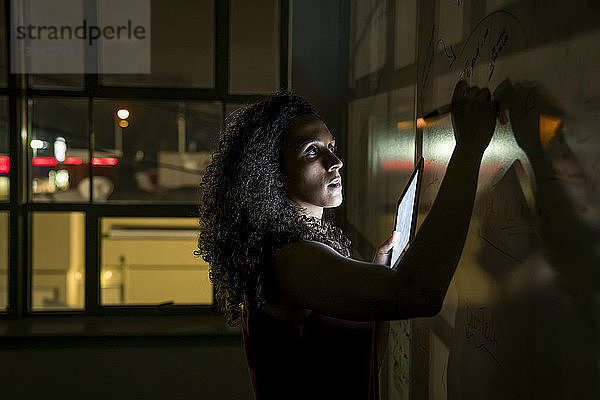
(58, 260)
(158, 153)
(112, 163)
(183, 53)
(254, 46)
(58, 149)
(147, 261)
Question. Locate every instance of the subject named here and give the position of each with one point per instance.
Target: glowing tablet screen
(405, 215)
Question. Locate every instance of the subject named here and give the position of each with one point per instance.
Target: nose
(333, 162)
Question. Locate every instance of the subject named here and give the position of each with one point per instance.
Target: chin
(335, 203)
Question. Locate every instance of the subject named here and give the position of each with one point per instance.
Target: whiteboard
(521, 318)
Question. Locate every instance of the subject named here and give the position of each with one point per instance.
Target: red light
(397, 165)
(104, 161)
(391, 165)
(73, 161)
(4, 164)
(44, 161)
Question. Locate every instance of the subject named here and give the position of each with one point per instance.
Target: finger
(388, 244)
(504, 91)
(504, 95)
(392, 238)
(460, 89)
(484, 94)
(386, 248)
(472, 92)
(526, 98)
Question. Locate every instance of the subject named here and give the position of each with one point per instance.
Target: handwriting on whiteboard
(480, 330)
(486, 42)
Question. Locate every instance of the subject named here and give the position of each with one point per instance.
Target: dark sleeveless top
(312, 358)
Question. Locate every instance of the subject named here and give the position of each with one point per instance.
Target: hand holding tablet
(406, 213)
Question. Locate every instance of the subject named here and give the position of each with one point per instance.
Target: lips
(336, 183)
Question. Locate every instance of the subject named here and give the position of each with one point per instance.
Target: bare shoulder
(276, 304)
(299, 250)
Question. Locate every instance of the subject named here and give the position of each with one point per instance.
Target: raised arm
(311, 275)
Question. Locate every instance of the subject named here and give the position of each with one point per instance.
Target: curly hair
(244, 214)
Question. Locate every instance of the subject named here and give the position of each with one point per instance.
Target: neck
(310, 210)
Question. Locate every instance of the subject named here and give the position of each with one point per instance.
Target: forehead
(307, 127)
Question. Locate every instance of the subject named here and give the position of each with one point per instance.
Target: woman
(308, 309)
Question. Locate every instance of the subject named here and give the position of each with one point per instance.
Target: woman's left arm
(382, 330)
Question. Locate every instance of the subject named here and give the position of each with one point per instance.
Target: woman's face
(310, 172)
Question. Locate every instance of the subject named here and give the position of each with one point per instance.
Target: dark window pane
(406, 32)
(58, 260)
(58, 150)
(367, 38)
(158, 153)
(3, 260)
(182, 47)
(4, 150)
(150, 261)
(3, 48)
(254, 46)
(58, 71)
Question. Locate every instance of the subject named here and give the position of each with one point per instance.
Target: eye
(311, 152)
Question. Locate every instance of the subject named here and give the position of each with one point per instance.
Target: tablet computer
(406, 213)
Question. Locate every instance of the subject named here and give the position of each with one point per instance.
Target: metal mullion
(119, 91)
(284, 37)
(18, 273)
(344, 27)
(92, 232)
(175, 93)
(233, 98)
(91, 145)
(19, 249)
(159, 309)
(145, 210)
(125, 93)
(132, 209)
(45, 207)
(92, 263)
(166, 309)
(13, 246)
(55, 93)
(222, 48)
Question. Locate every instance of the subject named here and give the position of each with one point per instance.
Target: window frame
(21, 206)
